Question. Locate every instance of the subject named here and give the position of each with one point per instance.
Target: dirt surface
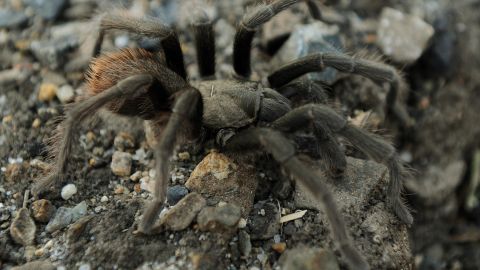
(39, 48)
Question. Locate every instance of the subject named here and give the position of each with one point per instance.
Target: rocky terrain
(239, 211)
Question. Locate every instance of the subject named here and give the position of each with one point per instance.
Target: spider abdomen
(110, 68)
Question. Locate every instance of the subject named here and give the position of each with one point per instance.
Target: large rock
(402, 37)
(308, 259)
(220, 178)
(307, 39)
(360, 197)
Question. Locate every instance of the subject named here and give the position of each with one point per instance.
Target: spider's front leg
(187, 110)
(283, 152)
(63, 141)
(305, 91)
(326, 122)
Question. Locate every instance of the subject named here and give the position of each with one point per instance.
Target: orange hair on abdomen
(110, 68)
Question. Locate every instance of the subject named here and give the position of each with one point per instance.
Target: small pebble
(42, 210)
(121, 163)
(264, 220)
(242, 223)
(219, 219)
(121, 41)
(65, 216)
(119, 189)
(279, 247)
(23, 228)
(104, 199)
(39, 252)
(136, 176)
(123, 141)
(244, 243)
(184, 156)
(183, 213)
(84, 266)
(68, 191)
(308, 259)
(137, 188)
(65, 93)
(36, 123)
(47, 91)
(175, 194)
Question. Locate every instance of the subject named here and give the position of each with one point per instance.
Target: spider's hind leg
(329, 122)
(304, 91)
(283, 152)
(187, 110)
(79, 112)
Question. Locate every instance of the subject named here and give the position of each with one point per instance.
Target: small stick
(25, 198)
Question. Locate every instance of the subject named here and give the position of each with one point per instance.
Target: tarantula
(239, 114)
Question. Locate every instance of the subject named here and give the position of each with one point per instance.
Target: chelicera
(239, 114)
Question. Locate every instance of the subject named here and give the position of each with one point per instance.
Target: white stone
(402, 37)
(104, 199)
(68, 191)
(65, 93)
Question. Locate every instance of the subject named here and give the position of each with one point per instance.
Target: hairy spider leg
(373, 146)
(283, 152)
(377, 72)
(188, 109)
(80, 111)
(148, 27)
(327, 146)
(308, 90)
(246, 30)
(204, 44)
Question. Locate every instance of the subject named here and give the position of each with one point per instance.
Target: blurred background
(45, 46)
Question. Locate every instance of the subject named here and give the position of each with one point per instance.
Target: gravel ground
(241, 212)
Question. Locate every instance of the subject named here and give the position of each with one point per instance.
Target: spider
(239, 114)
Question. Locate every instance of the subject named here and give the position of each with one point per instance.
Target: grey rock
(175, 194)
(12, 19)
(36, 265)
(244, 243)
(308, 259)
(65, 216)
(51, 53)
(307, 39)
(264, 220)
(437, 182)
(183, 213)
(223, 218)
(360, 196)
(23, 228)
(402, 37)
(47, 9)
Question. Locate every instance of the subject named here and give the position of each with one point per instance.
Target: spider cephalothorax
(241, 115)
